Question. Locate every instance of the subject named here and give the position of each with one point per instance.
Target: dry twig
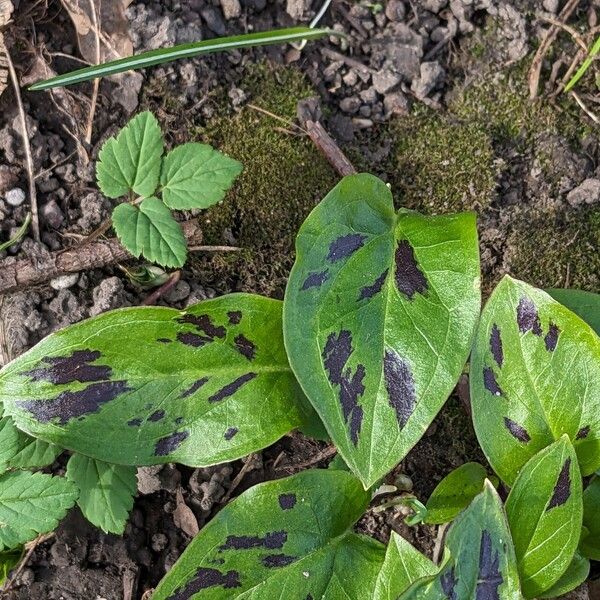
(31, 546)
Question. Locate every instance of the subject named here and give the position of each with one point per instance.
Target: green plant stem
(19, 235)
(585, 65)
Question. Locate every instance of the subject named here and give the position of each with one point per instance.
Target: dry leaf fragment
(6, 10)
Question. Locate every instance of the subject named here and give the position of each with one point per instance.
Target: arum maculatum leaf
(379, 316)
(282, 539)
(544, 510)
(590, 543)
(403, 566)
(482, 562)
(576, 573)
(455, 492)
(582, 303)
(535, 375)
(199, 387)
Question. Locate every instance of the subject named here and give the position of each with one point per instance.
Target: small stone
(64, 282)
(434, 6)
(350, 78)
(52, 214)
(180, 291)
(213, 20)
(350, 105)
(396, 104)
(551, 6)
(231, 9)
(15, 197)
(588, 192)
(159, 542)
(431, 74)
(148, 481)
(296, 8)
(369, 96)
(385, 80)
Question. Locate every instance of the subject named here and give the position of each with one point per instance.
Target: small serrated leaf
(106, 491)
(196, 176)
(150, 230)
(31, 504)
(131, 161)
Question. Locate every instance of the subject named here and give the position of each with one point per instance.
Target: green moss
(557, 250)
(284, 177)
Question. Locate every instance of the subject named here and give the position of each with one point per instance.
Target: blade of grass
(19, 235)
(585, 65)
(162, 55)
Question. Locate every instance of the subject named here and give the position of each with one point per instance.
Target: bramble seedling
(379, 317)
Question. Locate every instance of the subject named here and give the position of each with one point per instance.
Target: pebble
(395, 10)
(551, 6)
(15, 197)
(350, 105)
(588, 192)
(384, 81)
(231, 9)
(64, 281)
(52, 214)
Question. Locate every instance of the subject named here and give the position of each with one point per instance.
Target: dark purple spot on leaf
(448, 582)
(170, 443)
(157, 415)
(400, 386)
(345, 246)
(490, 383)
(336, 353)
(164, 340)
(551, 338)
(315, 280)
(271, 541)
(70, 405)
(204, 324)
(287, 501)
(231, 388)
(274, 561)
(234, 316)
(194, 387)
(410, 280)
(245, 347)
(490, 579)
(206, 578)
(496, 345)
(517, 431)
(583, 433)
(527, 317)
(370, 290)
(230, 433)
(134, 422)
(67, 369)
(562, 489)
(193, 339)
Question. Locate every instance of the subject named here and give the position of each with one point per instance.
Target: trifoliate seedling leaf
(544, 510)
(590, 544)
(573, 577)
(455, 492)
(131, 161)
(584, 304)
(380, 312)
(106, 491)
(282, 539)
(150, 230)
(149, 385)
(482, 560)
(31, 504)
(403, 566)
(535, 375)
(196, 176)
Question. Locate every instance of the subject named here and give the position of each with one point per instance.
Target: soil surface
(431, 95)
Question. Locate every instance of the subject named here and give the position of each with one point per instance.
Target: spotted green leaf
(455, 492)
(106, 491)
(590, 543)
(535, 375)
(282, 539)
(544, 510)
(582, 303)
(380, 311)
(576, 573)
(482, 562)
(31, 504)
(150, 230)
(196, 176)
(403, 566)
(131, 161)
(150, 385)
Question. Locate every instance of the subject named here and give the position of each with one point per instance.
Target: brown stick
(326, 144)
(34, 271)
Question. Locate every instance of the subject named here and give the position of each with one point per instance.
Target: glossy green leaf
(282, 539)
(380, 311)
(572, 578)
(150, 230)
(403, 566)
(131, 161)
(106, 491)
(535, 375)
(590, 544)
(455, 492)
(31, 504)
(584, 304)
(9, 559)
(163, 55)
(544, 510)
(201, 386)
(482, 563)
(196, 176)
